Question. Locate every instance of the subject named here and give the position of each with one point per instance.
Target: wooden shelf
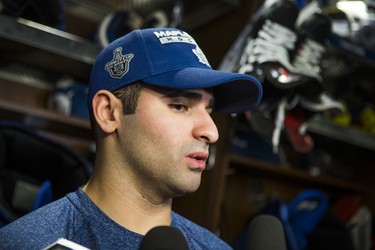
(46, 120)
(195, 13)
(57, 51)
(350, 135)
(292, 174)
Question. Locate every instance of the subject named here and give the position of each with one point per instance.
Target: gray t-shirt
(76, 218)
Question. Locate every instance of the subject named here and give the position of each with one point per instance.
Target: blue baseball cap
(170, 58)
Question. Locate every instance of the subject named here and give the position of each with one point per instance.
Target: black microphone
(266, 233)
(164, 238)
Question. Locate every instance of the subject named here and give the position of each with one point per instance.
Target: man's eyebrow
(189, 95)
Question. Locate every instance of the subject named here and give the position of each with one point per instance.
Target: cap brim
(233, 92)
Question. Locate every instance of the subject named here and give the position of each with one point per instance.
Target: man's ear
(106, 109)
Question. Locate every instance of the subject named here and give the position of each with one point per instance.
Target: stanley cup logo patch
(119, 65)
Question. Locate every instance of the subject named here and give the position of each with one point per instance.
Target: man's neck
(126, 205)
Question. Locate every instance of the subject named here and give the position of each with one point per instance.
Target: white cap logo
(201, 57)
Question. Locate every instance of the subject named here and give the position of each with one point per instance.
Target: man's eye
(179, 107)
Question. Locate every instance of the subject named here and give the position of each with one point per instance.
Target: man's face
(165, 143)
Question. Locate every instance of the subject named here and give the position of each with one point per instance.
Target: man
(150, 96)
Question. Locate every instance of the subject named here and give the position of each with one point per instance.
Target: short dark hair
(128, 96)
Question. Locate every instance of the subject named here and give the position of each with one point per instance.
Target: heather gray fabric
(76, 218)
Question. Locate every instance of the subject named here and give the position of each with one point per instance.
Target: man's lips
(197, 160)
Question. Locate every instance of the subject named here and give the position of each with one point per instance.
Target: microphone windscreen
(164, 238)
(266, 233)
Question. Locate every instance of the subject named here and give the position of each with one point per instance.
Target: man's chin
(187, 190)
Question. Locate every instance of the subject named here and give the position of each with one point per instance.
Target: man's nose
(205, 128)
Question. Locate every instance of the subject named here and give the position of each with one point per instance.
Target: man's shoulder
(39, 227)
(198, 236)
(190, 227)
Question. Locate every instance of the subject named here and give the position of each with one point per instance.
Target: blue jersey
(76, 218)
